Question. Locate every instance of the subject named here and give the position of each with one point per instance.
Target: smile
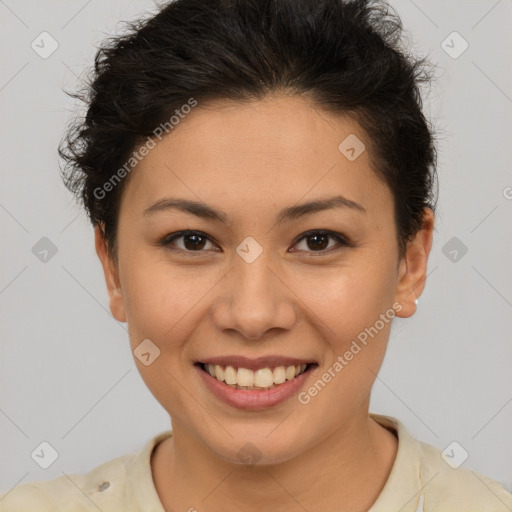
(254, 384)
(263, 378)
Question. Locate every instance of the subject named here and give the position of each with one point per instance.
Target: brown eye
(318, 241)
(314, 242)
(192, 241)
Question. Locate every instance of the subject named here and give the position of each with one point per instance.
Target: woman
(260, 178)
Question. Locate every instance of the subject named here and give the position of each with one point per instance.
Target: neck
(346, 471)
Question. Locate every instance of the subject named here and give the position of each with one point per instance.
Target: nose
(255, 299)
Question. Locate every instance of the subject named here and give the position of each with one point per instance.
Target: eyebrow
(205, 211)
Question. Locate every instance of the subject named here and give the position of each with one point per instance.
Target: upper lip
(255, 364)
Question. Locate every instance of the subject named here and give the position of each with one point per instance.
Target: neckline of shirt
(402, 490)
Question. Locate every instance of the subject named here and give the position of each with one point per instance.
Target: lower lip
(253, 399)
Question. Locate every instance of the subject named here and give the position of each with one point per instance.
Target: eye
(320, 241)
(193, 241)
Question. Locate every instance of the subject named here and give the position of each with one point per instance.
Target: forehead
(279, 150)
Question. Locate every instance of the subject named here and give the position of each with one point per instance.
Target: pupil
(324, 238)
(195, 244)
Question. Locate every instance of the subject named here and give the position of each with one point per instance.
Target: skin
(251, 160)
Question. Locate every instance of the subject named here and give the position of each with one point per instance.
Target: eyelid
(166, 242)
(342, 240)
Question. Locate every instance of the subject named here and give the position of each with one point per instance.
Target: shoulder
(454, 487)
(424, 479)
(101, 487)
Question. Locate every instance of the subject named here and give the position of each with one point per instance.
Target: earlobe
(413, 267)
(111, 274)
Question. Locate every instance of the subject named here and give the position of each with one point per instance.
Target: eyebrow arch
(287, 214)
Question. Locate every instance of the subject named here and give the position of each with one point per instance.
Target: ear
(111, 275)
(413, 267)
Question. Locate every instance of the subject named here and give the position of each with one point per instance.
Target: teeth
(230, 375)
(219, 373)
(244, 377)
(264, 378)
(279, 375)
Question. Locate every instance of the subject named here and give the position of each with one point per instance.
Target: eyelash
(342, 240)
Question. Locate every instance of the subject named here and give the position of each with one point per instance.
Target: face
(253, 280)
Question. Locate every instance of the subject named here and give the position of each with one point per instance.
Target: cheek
(348, 298)
(354, 345)
(162, 303)
(346, 304)
(166, 303)
(157, 293)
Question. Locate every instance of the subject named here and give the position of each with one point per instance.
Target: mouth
(254, 384)
(260, 379)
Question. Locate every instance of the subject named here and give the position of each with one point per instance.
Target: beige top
(420, 481)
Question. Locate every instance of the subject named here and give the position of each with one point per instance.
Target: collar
(402, 492)
(140, 492)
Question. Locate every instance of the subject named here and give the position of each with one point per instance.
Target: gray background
(67, 374)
